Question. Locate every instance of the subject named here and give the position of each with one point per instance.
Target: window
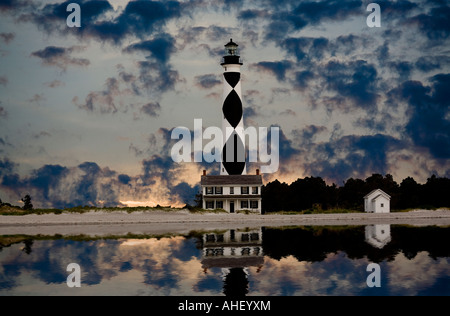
(219, 204)
(255, 190)
(218, 190)
(231, 190)
(244, 190)
(382, 205)
(210, 204)
(209, 190)
(253, 204)
(244, 204)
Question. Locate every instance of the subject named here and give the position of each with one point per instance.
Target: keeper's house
(232, 192)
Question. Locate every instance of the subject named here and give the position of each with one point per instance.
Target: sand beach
(100, 223)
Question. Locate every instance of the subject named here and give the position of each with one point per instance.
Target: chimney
(257, 172)
(204, 172)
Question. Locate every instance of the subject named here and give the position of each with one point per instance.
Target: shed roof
(232, 179)
(376, 193)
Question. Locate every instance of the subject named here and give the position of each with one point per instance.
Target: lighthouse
(233, 152)
(233, 190)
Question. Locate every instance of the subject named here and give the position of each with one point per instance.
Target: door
(231, 207)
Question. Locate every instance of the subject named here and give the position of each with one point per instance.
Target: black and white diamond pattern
(233, 153)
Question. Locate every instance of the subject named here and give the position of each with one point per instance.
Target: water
(287, 261)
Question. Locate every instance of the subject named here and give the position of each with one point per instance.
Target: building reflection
(234, 252)
(378, 236)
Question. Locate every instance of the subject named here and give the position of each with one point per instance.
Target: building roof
(232, 180)
(376, 193)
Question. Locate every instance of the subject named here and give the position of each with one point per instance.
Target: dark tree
(351, 195)
(307, 192)
(198, 200)
(27, 203)
(409, 194)
(435, 192)
(275, 197)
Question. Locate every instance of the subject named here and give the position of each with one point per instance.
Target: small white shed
(377, 201)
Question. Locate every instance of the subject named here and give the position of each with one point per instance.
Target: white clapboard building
(232, 192)
(377, 201)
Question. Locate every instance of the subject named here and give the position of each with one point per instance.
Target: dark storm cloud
(151, 109)
(13, 5)
(278, 68)
(46, 178)
(308, 134)
(157, 77)
(59, 186)
(302, 79)
(207, 81)
(6, 167)
(52, 17)
(60, 57)
(306, 49)
(251, 14)
(350, 156)
(159, 48)
(288, 18)
(430, 63)
(124, 179)
(185, 192)
(429, 112)
(434, 24)
(354, 80)
(139, 18)
(402, 68)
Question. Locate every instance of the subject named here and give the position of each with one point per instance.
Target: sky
(86, 114)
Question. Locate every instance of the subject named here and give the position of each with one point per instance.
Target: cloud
(302, 79)
(277, 68)
(429, 123)
(351, 156)
(13, 5)
(102, 101)
(3, 81)
(124, 179)
(159, 48)
(6, 166)
(38, 99)
(7, 37)
(151, 109)
(207, 81)
(60, 57)
(3, 112)
(433, 24)
(138, 19)
(251, 14)
(54, 84)
(288, 18)
(156, 77)
(354, 80)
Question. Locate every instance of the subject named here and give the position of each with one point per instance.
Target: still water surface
(286, 261)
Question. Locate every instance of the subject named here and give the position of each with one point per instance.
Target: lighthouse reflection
(233, 251)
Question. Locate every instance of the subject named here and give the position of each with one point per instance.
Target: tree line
(312, 193)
